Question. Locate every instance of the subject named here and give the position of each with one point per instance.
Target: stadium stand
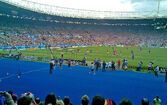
(19, 27)
(34, 32)
(35, 29)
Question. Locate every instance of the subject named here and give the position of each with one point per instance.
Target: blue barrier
(42, 46)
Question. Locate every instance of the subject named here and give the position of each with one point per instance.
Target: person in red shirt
(119, 64)
(107, 52)
(120, 53)
(117, 53)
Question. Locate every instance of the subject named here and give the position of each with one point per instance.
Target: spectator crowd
(20, 32)
(8, 98)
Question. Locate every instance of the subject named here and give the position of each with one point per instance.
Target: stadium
(70, 55)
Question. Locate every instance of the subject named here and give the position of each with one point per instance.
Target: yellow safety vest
(157, 102)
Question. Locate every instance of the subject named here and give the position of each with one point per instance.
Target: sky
(109, 5)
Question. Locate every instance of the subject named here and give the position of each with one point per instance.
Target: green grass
(158, 55)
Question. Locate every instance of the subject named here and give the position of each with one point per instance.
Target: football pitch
(106, 53)
(75, 82)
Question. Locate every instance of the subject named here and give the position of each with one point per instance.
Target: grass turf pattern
(158, 55)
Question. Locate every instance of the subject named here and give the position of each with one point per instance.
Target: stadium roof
(105, 9)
